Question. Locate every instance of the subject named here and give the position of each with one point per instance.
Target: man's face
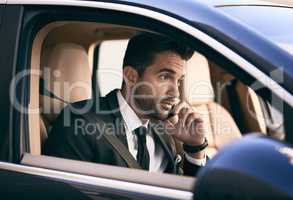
(157, 90)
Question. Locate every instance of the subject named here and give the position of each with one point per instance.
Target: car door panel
(34, 182)
(112, 180)
(19, 185)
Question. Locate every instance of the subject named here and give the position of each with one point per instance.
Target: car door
(60, 178)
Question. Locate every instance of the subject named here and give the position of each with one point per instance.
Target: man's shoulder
(79, 108)
(89, 102)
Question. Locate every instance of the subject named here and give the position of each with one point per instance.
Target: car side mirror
(255, 167)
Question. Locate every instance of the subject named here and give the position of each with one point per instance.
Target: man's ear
(130, 75)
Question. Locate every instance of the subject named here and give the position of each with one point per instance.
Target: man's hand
(187, 126)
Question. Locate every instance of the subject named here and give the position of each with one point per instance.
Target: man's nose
(174, 90)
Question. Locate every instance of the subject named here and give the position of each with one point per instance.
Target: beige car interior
(64, 53)
(58, 48)
(220, 127)
(248, 100)
(67, 74)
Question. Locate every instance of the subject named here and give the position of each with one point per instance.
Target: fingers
(173, 120)
(187, 124)
(183, 109)
(180, 106)
(178, 112)
(193, 118)
(191, 121)
(186, 114)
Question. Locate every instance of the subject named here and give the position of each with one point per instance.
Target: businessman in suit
(146, 115)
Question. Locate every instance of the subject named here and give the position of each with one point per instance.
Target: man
(146, 115)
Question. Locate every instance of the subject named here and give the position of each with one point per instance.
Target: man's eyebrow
(170, 71)
(167, 70)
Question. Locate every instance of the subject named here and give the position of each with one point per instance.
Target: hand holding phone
(186, 124)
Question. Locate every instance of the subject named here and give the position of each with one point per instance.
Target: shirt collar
(129, 116)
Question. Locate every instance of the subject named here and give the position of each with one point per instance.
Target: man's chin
(163, 114)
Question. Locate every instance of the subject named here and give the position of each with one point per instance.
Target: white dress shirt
(158, 160)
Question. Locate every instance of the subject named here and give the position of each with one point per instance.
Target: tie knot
(140, 131)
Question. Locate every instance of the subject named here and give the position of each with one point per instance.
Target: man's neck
(131, 103)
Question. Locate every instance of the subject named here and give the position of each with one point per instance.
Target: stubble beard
(151, 109)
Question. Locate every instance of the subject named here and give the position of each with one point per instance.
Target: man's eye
(163, 77)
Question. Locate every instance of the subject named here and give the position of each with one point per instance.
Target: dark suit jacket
(73, 137)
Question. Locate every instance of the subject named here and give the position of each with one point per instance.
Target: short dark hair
(143, 47)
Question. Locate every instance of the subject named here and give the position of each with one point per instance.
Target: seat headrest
(198, 87)
(110, 72)
(66, 72)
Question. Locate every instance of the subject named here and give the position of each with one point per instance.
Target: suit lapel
(163, 138)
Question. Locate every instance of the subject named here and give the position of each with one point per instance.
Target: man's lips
(172, 101)
(168, 104)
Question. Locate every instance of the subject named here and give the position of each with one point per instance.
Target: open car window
(69, 75)
(201, 88)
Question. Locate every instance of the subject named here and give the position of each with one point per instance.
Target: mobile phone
(172, 112)
(171, 116)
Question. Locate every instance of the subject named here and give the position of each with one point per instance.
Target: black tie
(143, 157)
